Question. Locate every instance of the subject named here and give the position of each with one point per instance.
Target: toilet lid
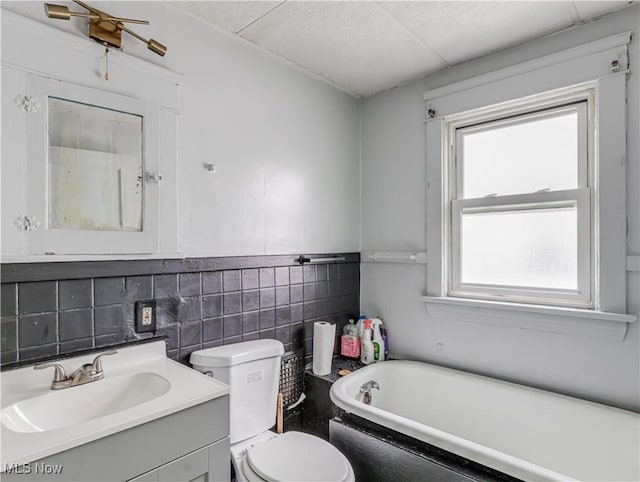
(300, 457)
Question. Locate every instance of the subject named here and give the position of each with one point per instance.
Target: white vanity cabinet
(205, 465)
(149, 417)
(88, 164)
(190, 445)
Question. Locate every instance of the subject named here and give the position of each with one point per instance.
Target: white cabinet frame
(47, 240)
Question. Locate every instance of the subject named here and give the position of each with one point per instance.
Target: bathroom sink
(71, 406)
(140, 385)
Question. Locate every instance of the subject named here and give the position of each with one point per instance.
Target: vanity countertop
(182, 388)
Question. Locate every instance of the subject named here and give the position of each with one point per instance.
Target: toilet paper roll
(324, 335)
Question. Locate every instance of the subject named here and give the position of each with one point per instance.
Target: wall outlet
(145, 316)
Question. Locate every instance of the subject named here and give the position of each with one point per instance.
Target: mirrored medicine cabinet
(94, 155)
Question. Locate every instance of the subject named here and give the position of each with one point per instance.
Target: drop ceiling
(365, 47)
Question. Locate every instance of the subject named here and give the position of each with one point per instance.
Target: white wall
(286, 146)
(394, 215)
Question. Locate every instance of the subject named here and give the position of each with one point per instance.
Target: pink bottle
(350, 342)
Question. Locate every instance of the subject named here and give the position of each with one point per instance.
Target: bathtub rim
(495, 459)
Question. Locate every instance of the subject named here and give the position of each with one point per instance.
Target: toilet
(252, 370)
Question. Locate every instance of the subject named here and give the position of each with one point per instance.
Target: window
(526, 202)
(520, 203)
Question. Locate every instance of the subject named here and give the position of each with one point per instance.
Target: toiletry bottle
(366, 345)
(350, 341)
(383, 332)
(378, 342)
(360, 325)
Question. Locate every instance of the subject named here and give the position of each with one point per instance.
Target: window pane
(536, 248)
(521, 158)
(95, 168)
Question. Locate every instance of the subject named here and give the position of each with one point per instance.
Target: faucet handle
(97, 362)
(58, 376)
(368, 386)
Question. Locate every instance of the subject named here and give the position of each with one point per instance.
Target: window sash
(580, 107)
(579, 198)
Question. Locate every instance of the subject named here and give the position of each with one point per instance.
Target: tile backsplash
(60, 308)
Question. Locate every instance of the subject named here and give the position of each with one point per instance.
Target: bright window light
(521, 158)
(535, 248)
(520, 205)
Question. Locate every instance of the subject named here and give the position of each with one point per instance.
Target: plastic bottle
(378, 342)
(366, 345)
(383, 332)
(360, 325)
(350, 341)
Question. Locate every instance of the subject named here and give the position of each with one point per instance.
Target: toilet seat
(296, 456)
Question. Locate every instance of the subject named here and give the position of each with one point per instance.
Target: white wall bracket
(410, 257)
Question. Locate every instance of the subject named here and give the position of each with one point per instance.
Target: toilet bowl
(252, 370)
(291, 456)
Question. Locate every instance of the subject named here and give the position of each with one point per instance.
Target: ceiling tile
(364, 47)
(231, 16)
(460, 31)
(588, 9)
(355, 45)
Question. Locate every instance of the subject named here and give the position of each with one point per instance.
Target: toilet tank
(252, 371)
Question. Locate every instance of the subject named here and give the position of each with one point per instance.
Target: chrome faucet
(89, 372)
(366, 388)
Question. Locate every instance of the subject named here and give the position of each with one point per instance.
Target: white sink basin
(140, 385)
(71, 406)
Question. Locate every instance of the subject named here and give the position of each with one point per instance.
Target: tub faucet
(366, 388)
(89, 372)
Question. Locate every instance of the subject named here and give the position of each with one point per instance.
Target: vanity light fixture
(103, 27)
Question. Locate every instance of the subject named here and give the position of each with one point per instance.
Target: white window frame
(456, 128)
(541, 82)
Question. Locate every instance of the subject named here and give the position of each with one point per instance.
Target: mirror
(95, 168)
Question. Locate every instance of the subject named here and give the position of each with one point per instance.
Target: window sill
(566, 321)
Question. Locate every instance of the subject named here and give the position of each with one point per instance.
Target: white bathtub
(524, 432)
